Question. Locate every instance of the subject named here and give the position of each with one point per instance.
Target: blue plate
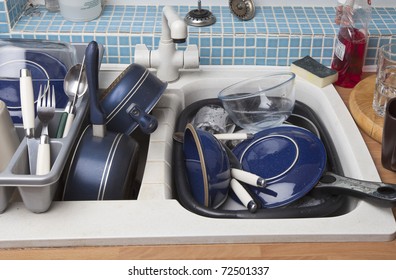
(292, 159)
(44, 68)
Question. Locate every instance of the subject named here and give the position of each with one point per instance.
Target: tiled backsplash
(276, 36)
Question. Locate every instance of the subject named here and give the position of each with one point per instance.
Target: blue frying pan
(293, 161)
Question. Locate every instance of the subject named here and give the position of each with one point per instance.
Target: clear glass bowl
(260, 102)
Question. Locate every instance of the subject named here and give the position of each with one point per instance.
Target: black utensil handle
(384, 193)
(92, 71)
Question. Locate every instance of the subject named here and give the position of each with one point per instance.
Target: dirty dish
(213, 118)
(260, 102)
(208, 167)
(291, 159)
(292, 173)
(128, 101)
(103, 163)
(314, 204)
(44, 69)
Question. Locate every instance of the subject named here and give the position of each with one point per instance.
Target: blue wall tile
(276, 36)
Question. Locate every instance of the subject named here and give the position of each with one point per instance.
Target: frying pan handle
(147, 123)
(384, 193)
(243, 196)
(92, 71)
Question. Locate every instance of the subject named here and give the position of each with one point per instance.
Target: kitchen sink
(156, 216)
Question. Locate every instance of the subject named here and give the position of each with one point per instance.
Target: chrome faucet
(167, 59)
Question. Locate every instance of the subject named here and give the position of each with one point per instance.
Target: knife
(27, 104)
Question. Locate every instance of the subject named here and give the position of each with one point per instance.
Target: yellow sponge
(314, 72)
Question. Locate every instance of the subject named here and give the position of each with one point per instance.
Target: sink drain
(200, 17)
(243, 9)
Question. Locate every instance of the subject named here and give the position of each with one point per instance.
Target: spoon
(75, 85)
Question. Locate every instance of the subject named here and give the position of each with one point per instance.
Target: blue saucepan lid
(292, 159)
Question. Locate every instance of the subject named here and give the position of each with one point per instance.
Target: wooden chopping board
(361, 108)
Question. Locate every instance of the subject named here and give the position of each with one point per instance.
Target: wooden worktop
(274, 251)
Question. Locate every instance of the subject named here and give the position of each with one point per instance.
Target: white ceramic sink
(156, 217)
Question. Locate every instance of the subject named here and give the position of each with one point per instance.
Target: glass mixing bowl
(260, 102)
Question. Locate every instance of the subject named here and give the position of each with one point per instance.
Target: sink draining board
(157, 218)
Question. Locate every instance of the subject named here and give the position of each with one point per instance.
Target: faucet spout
(173, 27)
(167, 59)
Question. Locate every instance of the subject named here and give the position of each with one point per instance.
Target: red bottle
(350, 48)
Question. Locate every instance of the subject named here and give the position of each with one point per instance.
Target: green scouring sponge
(314, 72)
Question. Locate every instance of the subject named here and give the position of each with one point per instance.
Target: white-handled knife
(43, 156)
(27, 105)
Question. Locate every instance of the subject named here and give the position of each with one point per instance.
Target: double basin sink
(157, 217)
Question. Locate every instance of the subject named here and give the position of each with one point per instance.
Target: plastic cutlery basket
(38, 191)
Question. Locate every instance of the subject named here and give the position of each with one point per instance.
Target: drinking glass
(388, 150)
(385, 87)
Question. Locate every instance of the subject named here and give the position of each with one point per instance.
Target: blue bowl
(208, 167)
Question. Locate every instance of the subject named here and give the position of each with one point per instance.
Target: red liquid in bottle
(348, 57)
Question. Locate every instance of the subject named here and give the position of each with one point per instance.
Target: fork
(45, 112)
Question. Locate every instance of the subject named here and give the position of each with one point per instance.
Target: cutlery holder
(38, 191)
